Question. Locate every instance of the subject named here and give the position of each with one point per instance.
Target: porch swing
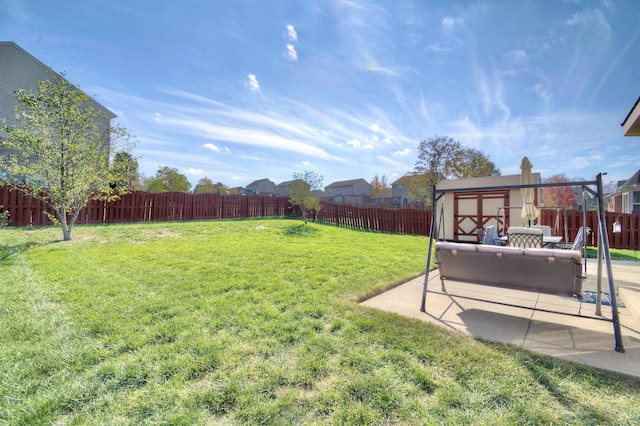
(553, 271)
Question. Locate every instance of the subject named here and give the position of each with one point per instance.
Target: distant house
(626, 198)
(631, 124)
(384, 197)
(355, 191)
(20, 70)
(283, 188)
(399, 191)
(261, 187)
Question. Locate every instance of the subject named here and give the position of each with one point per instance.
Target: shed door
(473, 210)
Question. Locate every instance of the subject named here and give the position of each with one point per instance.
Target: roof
(384, 193)
(7, 45)
(344, 183)
(633, 181)
(478, 182)
(401, 180)
(285, 183)
(631, 123)
(259, 181)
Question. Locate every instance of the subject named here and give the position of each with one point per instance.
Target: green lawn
(256, 322)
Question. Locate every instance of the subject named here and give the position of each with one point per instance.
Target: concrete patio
(553, 329)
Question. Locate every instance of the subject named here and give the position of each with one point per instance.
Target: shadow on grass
(6, 251)
(300, 231)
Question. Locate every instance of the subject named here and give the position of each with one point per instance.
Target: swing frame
(603, 241)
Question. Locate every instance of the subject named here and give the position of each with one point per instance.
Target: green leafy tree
(124, 169)
(301, 192)
(442, 157)
(61, 148)
(473, 163)
(206, 186)
(167, 179)
(378, 184)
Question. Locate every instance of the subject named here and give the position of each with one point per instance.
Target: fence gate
(473, 210)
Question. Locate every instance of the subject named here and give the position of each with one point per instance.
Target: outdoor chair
(580, 239)
(524, 237)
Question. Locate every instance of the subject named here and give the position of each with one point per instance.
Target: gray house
(355, 191)
(282, 189)
(400, 192)
(261, 187)
(626, 198)
(20, 70)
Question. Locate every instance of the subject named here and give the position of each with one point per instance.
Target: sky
(241, 90)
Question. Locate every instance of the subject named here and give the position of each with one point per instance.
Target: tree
(440, 158)
(204, 186)
(124, 169)
(300, 192)
(167, 179)
(473, 163)
(378, 184)
(558, 196)
(61, 148)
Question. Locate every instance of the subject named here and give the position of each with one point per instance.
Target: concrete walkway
(588, 339)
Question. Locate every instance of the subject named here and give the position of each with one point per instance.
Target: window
(635, 208)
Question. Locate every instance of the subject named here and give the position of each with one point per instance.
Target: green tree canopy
(206, 186)
(124, 169)
(167, 179)
(61, 147)
(442, 157)
(301, 192)
(473, 163)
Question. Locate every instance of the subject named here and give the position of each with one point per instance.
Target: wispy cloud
(192, 171)
(292, 55)
(402, 152)
(292, 35)
(210, 146)
(248, 136)
(449, 22)
(252, 83)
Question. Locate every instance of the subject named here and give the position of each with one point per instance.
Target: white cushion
(486, 248)
(445, 245)
(523, 230)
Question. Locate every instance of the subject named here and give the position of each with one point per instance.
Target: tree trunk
(66, 227)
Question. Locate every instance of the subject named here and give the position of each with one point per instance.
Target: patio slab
(560, 327)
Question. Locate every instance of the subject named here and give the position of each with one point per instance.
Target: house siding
(20, 70)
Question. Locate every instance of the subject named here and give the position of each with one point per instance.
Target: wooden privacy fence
(626, 239)
(367, 218)
(168, 206)
(147, 207)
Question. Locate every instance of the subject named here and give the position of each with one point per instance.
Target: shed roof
(488, 181)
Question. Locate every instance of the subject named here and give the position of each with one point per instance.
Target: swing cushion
(540, 270)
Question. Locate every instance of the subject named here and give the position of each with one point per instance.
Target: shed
(461, 213)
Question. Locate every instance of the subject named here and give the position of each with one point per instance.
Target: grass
(256, 322)
(616, 254)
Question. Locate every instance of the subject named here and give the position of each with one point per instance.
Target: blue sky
(239, 90)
